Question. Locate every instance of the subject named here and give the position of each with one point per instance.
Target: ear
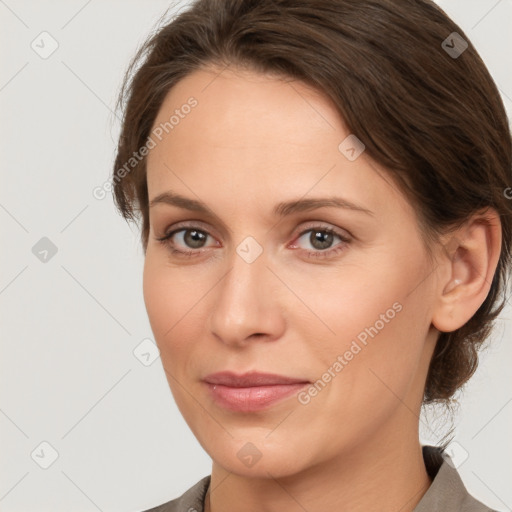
(467, 266)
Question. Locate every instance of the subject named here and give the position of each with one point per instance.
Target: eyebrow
(281, 209)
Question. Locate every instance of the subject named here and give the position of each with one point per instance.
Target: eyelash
(166, 240)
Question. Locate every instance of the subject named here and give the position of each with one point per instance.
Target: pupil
(321, 239)
(194, 238)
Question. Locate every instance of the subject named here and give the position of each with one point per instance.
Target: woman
(322, 186)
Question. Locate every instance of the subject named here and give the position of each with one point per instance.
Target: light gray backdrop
(86, 422)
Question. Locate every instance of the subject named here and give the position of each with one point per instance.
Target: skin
(253, 141)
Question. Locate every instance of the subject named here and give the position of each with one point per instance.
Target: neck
(385, 474)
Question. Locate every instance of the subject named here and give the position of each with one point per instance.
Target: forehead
(252, 136)
(243, 106)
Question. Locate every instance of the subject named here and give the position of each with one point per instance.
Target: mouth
(252, 391)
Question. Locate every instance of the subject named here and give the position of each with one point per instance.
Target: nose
(248, 303)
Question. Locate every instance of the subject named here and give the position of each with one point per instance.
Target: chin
(257, 457)
(269, 466)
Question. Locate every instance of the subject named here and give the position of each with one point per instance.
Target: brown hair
(434, 120)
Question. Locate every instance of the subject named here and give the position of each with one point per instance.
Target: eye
(322, 239)
(192, 240)
(191, 237)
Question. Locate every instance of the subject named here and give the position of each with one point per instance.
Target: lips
(252, 391)
(251, 379)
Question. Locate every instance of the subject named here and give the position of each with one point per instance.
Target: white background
(68, 375)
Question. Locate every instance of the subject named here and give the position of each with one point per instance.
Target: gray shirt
(447, 492)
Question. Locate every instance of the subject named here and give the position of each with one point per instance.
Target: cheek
(156, 298)
(369, 326)
(353, 302)
(172, 306)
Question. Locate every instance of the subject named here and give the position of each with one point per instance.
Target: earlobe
(468, 271)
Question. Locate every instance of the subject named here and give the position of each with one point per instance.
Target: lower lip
(253, 398)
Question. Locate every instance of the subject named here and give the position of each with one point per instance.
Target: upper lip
(250, 379)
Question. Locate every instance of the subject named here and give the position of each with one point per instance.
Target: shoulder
(191, 500)
(447, 491)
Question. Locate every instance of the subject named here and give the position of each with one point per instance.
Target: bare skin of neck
(388, 475)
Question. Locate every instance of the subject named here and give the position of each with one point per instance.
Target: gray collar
(447, 491)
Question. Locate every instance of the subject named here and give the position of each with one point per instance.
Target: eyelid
(187, 224)
(319, 224)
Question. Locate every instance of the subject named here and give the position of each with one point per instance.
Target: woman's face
(337, 296)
